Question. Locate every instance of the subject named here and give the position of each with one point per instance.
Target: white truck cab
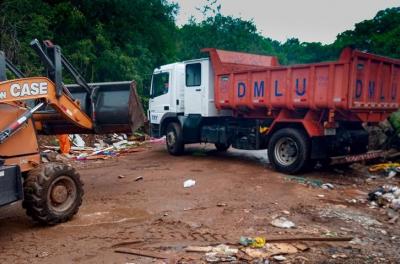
(179, 91)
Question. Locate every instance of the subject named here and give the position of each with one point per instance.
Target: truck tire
(221, 147)
(289, 150)
(52, 193)
(174, 140)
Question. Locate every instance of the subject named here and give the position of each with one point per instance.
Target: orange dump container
(358, 83)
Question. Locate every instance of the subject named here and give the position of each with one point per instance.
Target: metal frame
(7, 64)
(54, 61)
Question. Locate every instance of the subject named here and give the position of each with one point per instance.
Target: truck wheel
(289, 150)
(53, 193)
(222, 147)
(174, 137)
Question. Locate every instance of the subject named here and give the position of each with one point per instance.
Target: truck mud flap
(117, 109)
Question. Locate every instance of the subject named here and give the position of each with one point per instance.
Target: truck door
(160, 96)
(194, 88)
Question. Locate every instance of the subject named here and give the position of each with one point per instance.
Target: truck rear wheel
(289, 150)
(53, 193)
(174, 137)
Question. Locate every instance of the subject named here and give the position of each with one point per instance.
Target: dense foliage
(111, 40)
(106, 39)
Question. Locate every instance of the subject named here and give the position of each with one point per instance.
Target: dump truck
(52, 192)
(300, 113)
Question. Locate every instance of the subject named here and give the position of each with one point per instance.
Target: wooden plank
(141, 252)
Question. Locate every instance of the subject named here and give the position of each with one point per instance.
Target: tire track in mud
(163, 233)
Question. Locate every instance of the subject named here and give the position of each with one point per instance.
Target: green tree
(107, 40)
(219, 31)
(379, 35)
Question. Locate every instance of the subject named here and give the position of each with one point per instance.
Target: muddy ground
(236, 194)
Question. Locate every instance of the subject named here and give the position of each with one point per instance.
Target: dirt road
(236, 194)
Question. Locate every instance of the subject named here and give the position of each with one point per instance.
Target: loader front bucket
(117, 109)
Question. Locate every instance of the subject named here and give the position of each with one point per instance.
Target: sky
(307, 20)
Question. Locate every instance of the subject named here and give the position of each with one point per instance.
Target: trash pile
(386, 196)
(258, 249)
(250, 249)
(96, 147)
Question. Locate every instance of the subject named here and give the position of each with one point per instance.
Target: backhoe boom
(42, 88)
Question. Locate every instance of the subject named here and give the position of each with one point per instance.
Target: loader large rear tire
(53, 193)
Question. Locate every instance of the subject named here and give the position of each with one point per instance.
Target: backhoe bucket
(117, 109)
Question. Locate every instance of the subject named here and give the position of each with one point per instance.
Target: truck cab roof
(177, 64)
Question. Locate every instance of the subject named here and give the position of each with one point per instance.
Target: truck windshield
(160, 84)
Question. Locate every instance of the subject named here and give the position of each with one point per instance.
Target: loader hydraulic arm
(42, 88)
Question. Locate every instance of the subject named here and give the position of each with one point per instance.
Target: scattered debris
(214, 257)
(331, 234)
(189, 183)
(120, 144)
(282, 222)
(84, 156)
(257, 242)
(42, 254)
(221, 253)
(349, 215)
(198, 249)
(273, 249)
(327, 186)
(139, 178)
(307, 181)
(279, 258)
(77, 140)
(390, 169)
(194, 208)
(222, 204)
(255, 253)
(386, 196)
(341, 255)
(121, 176)
(320, 239)
(392, 174)
(358, 241)
(280, 248)
(103, 147)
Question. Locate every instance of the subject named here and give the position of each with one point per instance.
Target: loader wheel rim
(62, 194)
(286, 151)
